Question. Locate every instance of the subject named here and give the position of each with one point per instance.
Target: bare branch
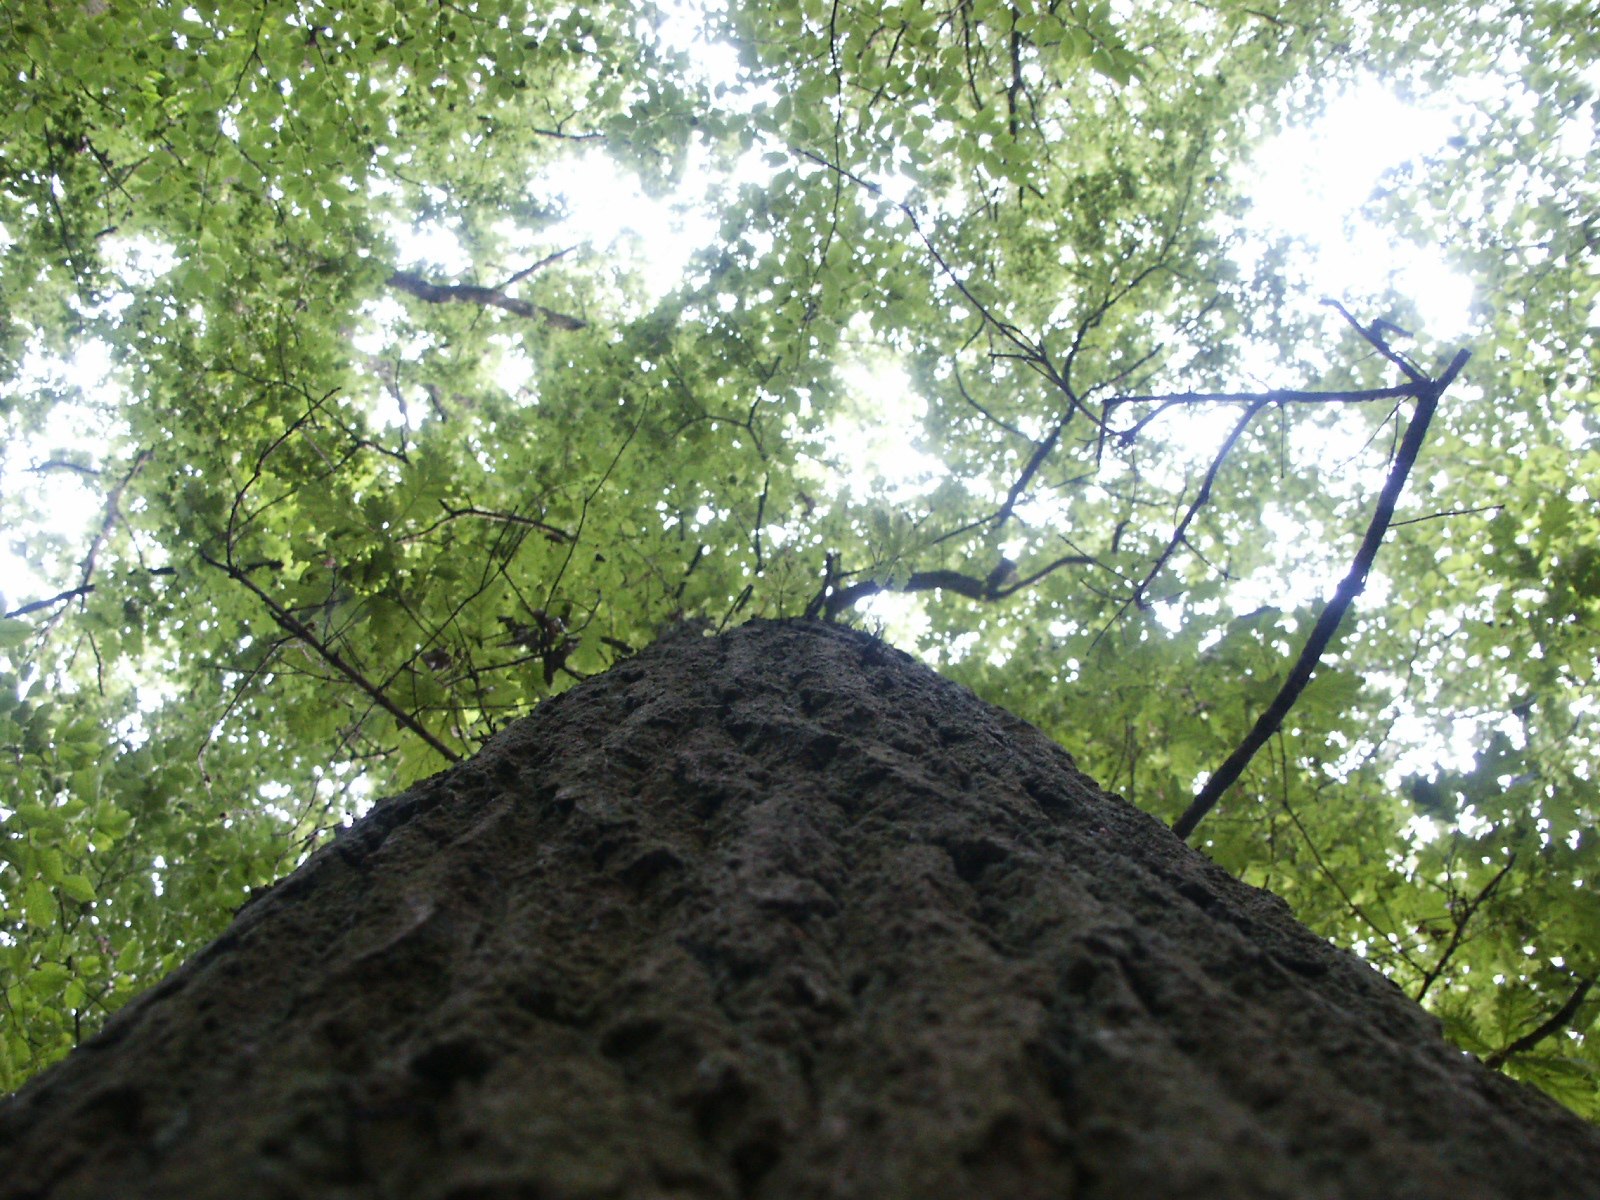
(1460, 921)
(1041, 451)
(111, 513)
(1180, 533)
(59, 598)
(1385, 936)
(1001, 582)
(551, 532)
(237, 507)
(1033, 577)
(1333, 612)
(1373, 336)
(467, 293)
(286, 621)
(61, 464)
(535, 268)
(980, 409)
(1458, 933)
(1449, 512)
(1271, 396)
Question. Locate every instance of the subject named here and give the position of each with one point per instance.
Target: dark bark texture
(777, 914)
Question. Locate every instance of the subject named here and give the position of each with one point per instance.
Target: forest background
(971, 325)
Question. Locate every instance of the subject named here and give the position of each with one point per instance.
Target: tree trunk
(775, 914)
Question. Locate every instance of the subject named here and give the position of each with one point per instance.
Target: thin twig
(289, 624)
(1449, 512)
(1458, 933)
(535, 268)
(1199, 502)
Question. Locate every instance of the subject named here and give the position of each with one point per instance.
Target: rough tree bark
(775, 914)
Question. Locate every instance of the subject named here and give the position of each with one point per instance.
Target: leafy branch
(1557, 1021)
(1033, 353)
(239, 518)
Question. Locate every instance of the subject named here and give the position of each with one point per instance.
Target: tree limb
(1557, 1021)
(61, 464)
(536, 267)
(1428, 393)
(551, 532)
(73, 594)
(1271, 396)
(1199, 501)
(998, 586)
(467, 293)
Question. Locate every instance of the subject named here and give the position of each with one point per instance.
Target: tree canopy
(392, 416)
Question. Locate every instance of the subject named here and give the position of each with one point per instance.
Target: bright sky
(1312, 184)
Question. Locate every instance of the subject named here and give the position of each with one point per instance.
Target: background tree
(392, 445)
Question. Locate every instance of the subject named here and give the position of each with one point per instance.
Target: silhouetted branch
(111, 514)
(1449, 512)
(969, 586)
(1375, 335)
(1384, 935)
(286, 621)
(467, 293)
(1024, 581)
(551, 532)
(1002, 582)
(1428, 393)
(58, 598)
(536, 267)
(1199, 501)
(1558, 1021)
(1271, 396)
(314, 405)
(61, 464)
(1031, 468)
(73, 594)
(1459, 920)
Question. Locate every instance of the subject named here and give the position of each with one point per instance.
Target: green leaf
(78, 888)
(39, 903)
